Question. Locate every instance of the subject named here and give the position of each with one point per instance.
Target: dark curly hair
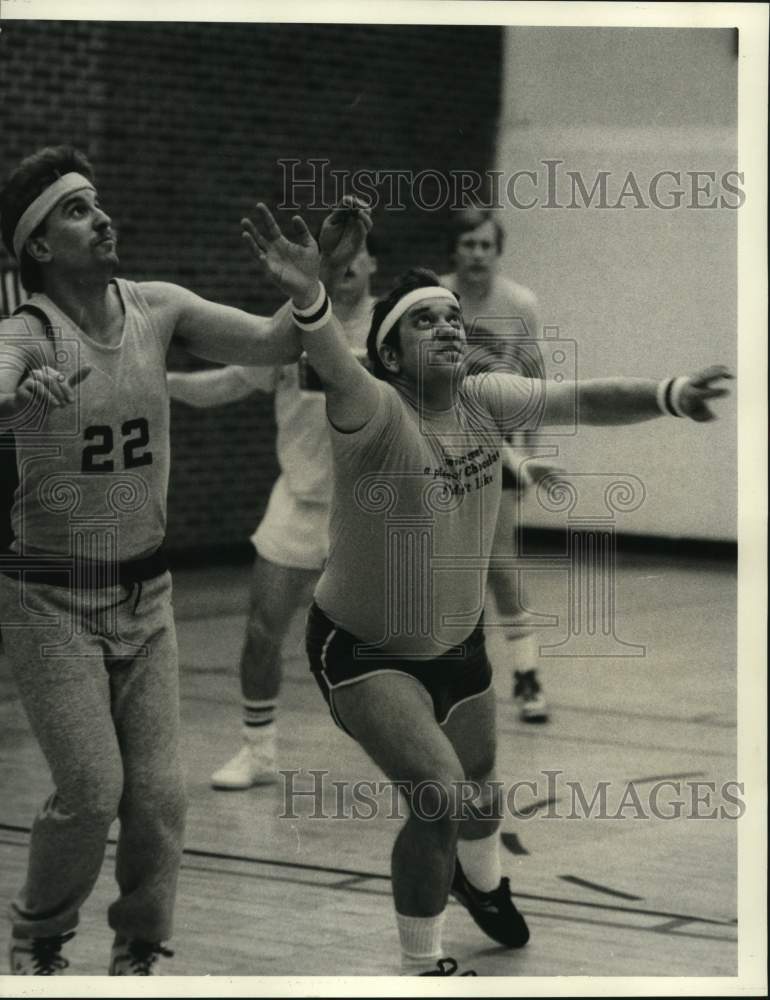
(30, 178)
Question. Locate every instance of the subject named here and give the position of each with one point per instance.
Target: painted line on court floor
(572, 919)
(666, 777)
(379, 877)
(512, 843)
(670, 925)
(599, 888)
(534, 807)
(707, 718)
(565, 738)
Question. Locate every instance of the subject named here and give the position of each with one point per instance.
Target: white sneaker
(39, 956)
(254, 764)
(136, 958)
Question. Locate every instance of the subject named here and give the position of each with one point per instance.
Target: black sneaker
(39, 956)
(494, 912)
(446, 967)
(528, 695)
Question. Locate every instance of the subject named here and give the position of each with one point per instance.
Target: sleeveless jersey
(93, 476)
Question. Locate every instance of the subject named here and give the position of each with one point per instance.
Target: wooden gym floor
(624, 894)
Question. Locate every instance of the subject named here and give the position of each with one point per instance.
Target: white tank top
(93, 476)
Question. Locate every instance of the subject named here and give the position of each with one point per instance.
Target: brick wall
(185, 124)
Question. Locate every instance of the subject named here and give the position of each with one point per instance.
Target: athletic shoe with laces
(528, 695)
(494, 912)
(135, 957)
(254, 764)
(447, 967)
(39, 956)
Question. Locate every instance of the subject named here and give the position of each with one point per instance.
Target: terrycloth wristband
(676, 395)
(668, 395)
(317, 320)
(309, 310)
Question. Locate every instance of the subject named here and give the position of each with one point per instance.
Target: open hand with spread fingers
(292, 264)
(344, 231)
(696, 392)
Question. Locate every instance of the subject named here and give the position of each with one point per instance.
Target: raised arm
(633, 400)
(222, 333)
(352, 394)
(219, 386)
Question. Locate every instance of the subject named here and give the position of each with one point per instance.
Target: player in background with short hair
(85, 595)
(292, 540)
(500, 317)
(395, 636)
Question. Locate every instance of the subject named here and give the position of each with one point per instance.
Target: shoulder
(164, 295)
(514, 293)
(28, 326)
(24, 344)
(448, 281)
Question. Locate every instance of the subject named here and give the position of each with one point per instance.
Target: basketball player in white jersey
(501, 315)
(292, 540)
(85, 596)
(395, 636)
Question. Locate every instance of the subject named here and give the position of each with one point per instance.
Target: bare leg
(391, 716)
(276, 593)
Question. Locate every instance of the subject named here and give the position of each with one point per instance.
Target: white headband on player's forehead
(417, 295)
(35, 213)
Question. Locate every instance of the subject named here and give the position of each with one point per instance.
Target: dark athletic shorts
(462, 673)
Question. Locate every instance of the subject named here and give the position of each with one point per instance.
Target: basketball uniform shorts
(294, 532)
(338, 658)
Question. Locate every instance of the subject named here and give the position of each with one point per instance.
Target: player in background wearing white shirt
(292, 540)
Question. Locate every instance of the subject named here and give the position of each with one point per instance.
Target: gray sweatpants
(97, 674)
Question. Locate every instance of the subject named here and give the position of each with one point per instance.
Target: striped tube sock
(258, 717)
(420, 942)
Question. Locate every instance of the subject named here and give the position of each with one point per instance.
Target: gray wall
(643, 291)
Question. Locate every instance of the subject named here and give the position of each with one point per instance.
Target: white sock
(263, 738)
(420, 942)
(481, 861)
(526, 649)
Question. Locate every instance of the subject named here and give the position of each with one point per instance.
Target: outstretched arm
(222, 333)
(633, 400)
(352, 394)
(219, 386)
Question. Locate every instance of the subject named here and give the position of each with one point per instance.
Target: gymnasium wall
(184, 124)
(642, 291)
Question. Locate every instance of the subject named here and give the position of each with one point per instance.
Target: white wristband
(660, 396)
(668, 394)
(318, 320)
(309, 310)
(676, 394)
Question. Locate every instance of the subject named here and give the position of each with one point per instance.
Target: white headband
(417, 295)
(35, 213)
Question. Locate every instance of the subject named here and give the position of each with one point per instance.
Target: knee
(160, 798)
(434, 799)
(94, 795)
(264, 624)
(482, 798)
